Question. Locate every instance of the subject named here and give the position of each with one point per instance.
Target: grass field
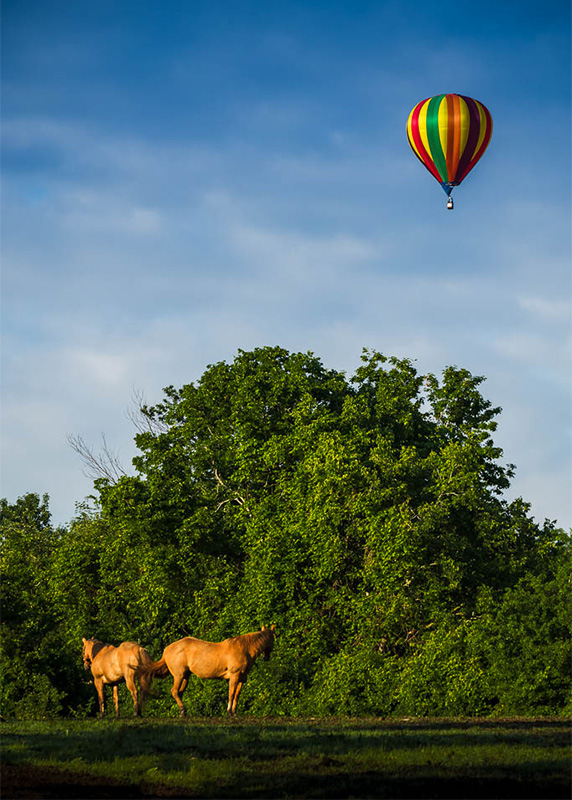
(286, 758)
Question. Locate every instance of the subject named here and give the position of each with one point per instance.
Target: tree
(364, 517)
(28, 615)
(356, 514)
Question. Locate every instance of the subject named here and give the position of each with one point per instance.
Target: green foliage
(445, 677)
(28, 681)
(524, 639)
(364, 517)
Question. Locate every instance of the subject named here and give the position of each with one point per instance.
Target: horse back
(105, 664)
(131, 650)
(114, 663)
(204, 659)
(130, 655)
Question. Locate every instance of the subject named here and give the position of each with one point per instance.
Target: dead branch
(105, 464)
(138, 414)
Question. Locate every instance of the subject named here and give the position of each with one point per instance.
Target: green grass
(282, 758)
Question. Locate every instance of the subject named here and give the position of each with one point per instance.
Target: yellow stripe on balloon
(443, 122)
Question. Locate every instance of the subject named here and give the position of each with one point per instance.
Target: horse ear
(263, 628)
(272, 627)
(83, 640)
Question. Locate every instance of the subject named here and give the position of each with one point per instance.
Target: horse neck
(258, 642)
(96, 648)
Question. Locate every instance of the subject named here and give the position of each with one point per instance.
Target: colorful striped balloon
(448, 134)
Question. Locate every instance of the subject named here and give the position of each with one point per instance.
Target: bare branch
(104, 464)
(138, 414)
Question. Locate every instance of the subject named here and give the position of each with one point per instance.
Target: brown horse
(231, 660)
(111, 665)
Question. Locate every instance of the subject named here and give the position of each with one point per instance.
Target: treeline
(364, 517)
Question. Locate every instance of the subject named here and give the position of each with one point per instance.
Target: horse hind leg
(132, 686)
(116, 699)
(179, 686)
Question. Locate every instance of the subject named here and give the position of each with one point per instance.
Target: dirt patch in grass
(26, 781)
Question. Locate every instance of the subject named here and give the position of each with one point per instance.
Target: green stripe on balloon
(433, 136)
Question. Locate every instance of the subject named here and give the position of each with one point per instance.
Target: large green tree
(364, 516)
(356, 514)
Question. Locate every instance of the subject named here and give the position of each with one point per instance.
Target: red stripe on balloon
(426, 159)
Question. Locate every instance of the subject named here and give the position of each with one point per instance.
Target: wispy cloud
(555, 309)
(274, 200)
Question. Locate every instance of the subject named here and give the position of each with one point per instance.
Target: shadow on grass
(22, 781)
(282, 758)
(261, 740)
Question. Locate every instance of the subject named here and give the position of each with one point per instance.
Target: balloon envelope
(449, 133)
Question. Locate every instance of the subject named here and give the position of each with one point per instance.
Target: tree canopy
(365, 517)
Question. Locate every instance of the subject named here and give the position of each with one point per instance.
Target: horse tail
(145, 678)
(152, 669)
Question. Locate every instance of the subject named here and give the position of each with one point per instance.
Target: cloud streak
(135, 254)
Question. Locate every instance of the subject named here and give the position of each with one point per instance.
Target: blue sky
(183, 179)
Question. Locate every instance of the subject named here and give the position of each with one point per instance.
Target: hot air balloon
(448, 134)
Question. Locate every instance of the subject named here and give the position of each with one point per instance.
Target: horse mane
(97, 645)
(261, 639)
